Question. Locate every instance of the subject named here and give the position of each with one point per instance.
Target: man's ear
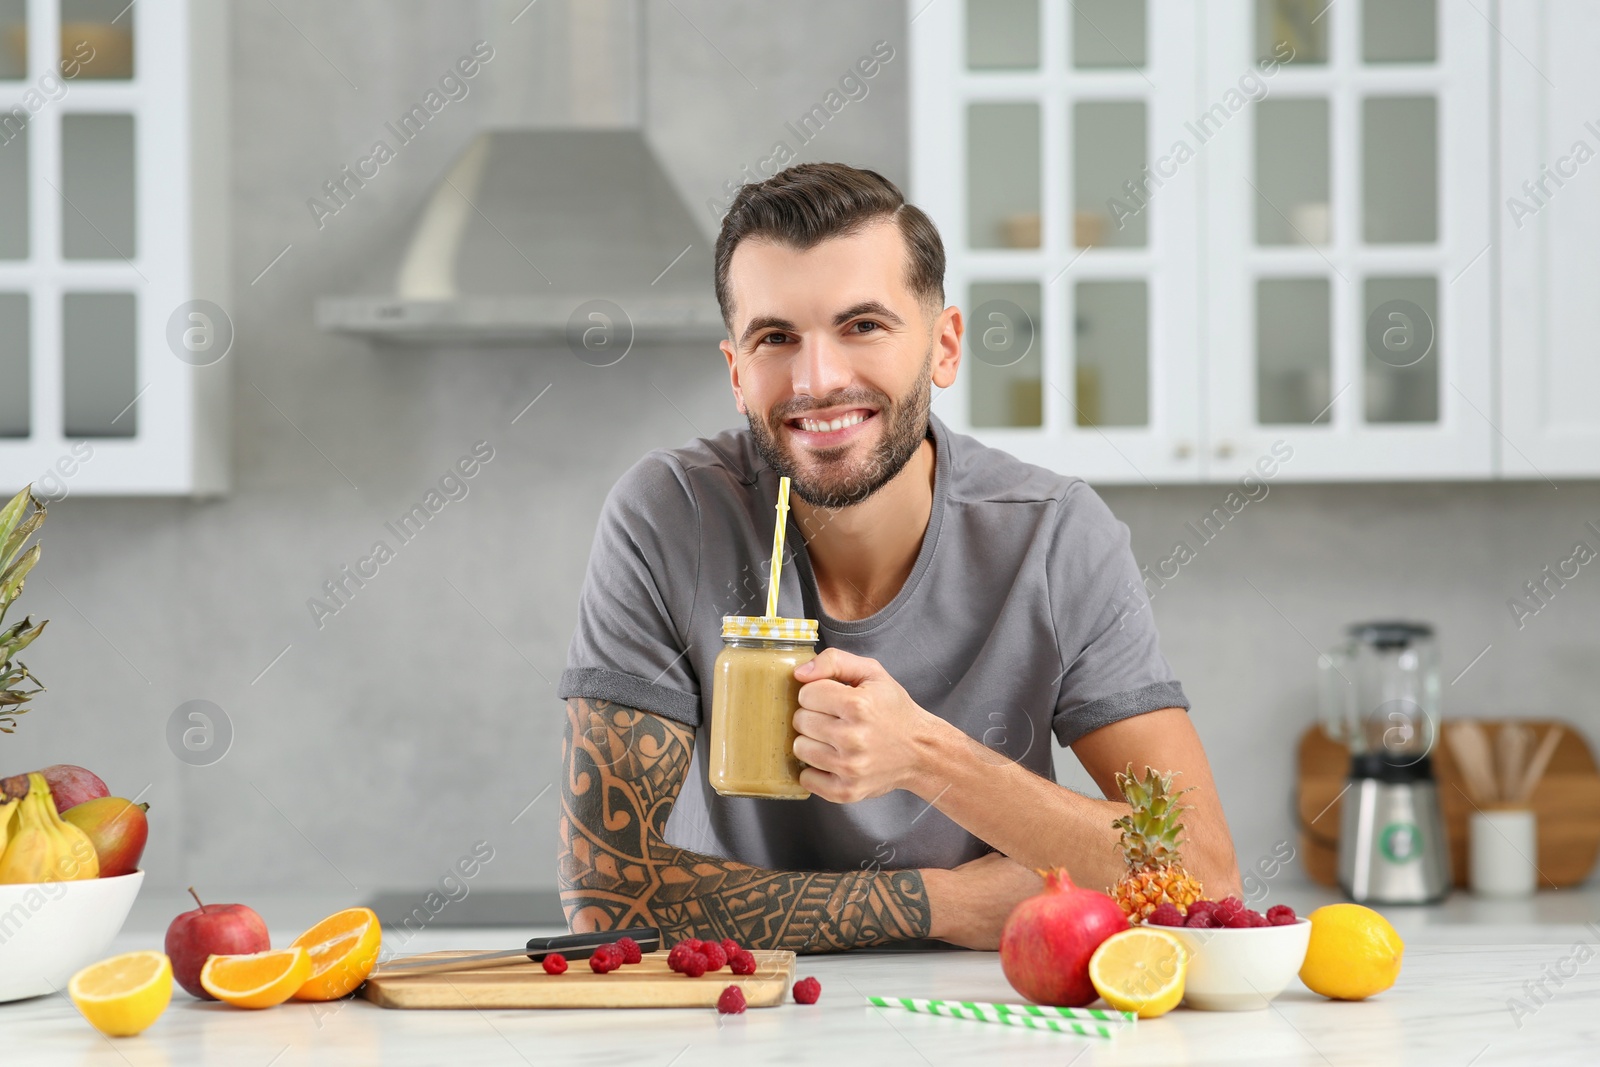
(947, 329)
(733, 374)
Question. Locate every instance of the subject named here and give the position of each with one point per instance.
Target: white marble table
(1450, 1007)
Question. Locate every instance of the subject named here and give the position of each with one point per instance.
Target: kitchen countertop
(1465, 960)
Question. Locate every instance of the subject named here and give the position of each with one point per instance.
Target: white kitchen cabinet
(1028, 116)
(113, 247)
(1348, 261)
(1311, 239)
(1549, 222)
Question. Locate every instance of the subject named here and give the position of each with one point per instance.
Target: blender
(1380, 697)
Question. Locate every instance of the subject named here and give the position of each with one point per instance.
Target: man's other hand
(861, 734)
(971, 903)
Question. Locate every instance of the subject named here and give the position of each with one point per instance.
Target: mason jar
(754, 695)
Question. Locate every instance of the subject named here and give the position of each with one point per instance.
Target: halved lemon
(1140, 970)
(122, 995)
(343, 949)
(257, 980)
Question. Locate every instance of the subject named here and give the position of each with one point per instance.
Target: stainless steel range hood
(526, 227)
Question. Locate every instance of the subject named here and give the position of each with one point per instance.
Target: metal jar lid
(769, 628)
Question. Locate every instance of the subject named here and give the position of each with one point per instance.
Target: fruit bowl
(1241, 970)
(48, 930)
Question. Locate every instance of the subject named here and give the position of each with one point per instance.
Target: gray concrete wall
(372, 751)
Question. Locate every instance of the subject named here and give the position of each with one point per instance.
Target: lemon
(122, 995)
(1354, 953)
(1140, 970)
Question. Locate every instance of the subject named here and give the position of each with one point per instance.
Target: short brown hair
(811, 202)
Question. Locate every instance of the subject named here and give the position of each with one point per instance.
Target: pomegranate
(71, 785)
(1048, 939)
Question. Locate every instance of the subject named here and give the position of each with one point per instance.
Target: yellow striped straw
(777, 548)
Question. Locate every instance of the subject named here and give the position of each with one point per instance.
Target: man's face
(832, 360)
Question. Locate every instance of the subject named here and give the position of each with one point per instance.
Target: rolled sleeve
(630, 644)
(1112, 666)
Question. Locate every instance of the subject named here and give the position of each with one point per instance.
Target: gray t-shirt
(1023, 613)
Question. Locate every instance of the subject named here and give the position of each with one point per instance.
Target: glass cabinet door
(1042, 151)
(1349, 276)
(113, 197)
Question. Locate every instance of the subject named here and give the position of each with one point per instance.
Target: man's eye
(864, 322)
(775, 338)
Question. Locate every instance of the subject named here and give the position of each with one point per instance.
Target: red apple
(211, 930)
(117, 829)
(71, 786)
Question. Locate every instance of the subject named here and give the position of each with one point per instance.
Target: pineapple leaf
(11, 514)
(11, 578)
(13, 542)
(12, 634)
(19, 637)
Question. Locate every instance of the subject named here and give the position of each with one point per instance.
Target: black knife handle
(582, 946)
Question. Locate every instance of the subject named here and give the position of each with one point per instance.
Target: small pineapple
(16, 526)
(1150, 847)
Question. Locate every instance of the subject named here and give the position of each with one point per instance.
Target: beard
(833, 480)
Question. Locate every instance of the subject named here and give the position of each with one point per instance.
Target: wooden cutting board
(1566, 803)
(647, 984)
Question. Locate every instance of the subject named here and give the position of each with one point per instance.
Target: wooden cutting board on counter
(1566, 803)
(647, 984)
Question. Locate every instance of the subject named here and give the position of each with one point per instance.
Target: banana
(12, 790)
(44, 847)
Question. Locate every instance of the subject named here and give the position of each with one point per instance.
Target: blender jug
(1380, 696)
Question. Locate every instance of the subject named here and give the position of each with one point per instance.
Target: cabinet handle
(1183, 450)
(1224, 449)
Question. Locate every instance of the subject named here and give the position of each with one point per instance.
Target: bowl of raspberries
(1239, 958)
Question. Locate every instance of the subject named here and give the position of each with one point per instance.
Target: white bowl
(48, 930)
(1241, 970)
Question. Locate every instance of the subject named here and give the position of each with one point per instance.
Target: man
(967, 604)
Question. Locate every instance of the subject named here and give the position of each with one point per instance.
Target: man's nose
(820, 368)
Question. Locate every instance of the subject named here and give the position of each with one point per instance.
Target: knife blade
(572, 946)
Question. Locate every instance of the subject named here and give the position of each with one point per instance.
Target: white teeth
(814, 426)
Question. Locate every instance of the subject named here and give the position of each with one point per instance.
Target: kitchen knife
(572, 946)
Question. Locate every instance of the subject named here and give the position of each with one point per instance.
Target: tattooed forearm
(622, 772)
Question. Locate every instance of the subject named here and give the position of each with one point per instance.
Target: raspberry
(1165, 915)
(676, 957)
(714, 955)
(1255, 917)
(605, 959)
(1238, 920)
(742, 962)
(807, 990)
(693, 944)
(1203, 920)
(729, 947)
(555, 963)
(694, 965)
(1229, 906)
(1201, 905)
(631, 952)
(732, 1000)
(1280, 915)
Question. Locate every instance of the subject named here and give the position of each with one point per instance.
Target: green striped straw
(1086, 1022)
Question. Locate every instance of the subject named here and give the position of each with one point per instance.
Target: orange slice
(122, 995)
(344, 949)
(257, 980)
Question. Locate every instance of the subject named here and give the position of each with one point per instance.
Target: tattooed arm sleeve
(622, 769)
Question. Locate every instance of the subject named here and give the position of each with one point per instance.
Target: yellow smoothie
(753, 700)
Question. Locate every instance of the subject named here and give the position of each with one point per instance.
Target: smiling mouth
(833, 425)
